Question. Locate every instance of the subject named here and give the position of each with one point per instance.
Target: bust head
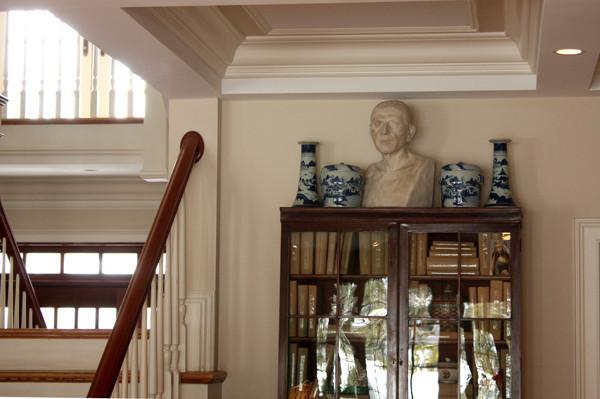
(391, 126)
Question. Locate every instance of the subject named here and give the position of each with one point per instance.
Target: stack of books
(444, 257)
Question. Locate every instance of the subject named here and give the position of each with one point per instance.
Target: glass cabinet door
(337, 332)
(459, 315)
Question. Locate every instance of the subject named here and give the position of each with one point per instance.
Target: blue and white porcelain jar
(460, 185)
(341, 185)
(307, 194)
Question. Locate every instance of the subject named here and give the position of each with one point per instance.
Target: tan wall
(552, 169)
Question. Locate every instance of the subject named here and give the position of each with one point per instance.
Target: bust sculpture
(402, 178)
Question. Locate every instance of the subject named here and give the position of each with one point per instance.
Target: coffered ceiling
(197, 48)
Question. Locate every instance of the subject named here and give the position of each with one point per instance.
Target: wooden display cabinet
(419, 303)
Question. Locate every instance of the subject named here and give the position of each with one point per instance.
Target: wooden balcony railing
(192, 148)
(16, 291)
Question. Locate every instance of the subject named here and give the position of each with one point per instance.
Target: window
(51, 72)
(80, 285)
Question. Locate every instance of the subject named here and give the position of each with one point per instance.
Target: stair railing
(17, 296)
(107, 373)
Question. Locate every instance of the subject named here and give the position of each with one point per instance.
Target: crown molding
(371, 31)
(408, 85)
(258, 19)
(202, 36)
(462, 62)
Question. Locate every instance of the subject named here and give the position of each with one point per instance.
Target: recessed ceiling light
(569, 51)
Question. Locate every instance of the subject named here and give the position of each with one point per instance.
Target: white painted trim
(395, 30)
(587, 308)
(81, 235)
(200, 320)
(83, 204)
(376, 70)
(380, 84)
(258, 19)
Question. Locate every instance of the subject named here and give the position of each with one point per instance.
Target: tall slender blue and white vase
(500, 191)
(307, 194)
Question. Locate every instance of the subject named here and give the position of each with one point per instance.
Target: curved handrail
(13, 252)
(191, 150)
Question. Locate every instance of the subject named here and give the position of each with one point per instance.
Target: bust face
(390, 129)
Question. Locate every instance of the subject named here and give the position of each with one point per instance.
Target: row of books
(303, 302)
(494, 302)
(488, 257)
(327, 252)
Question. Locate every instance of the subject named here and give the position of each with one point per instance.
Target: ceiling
(205, 48)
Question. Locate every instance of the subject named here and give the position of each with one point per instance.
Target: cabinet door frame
(467, 227)
(351, 225)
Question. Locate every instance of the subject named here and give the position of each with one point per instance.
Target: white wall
(552, 158)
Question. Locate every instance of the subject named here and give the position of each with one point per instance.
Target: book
(312, 310)
(453, 252)
(321, 252)
(506, 288)
(484, 254)
(292, 365)
(307, 252)
(347, 246)
(295, 253)
(472, 311)
(302, 310)
(496, 308)
(293, 322)
(412, 259)
(364, 252)
(331, 251)
(378, 252)
(448, 265)
(421, 254)
(302, 365)
(483, 299)
(451, 244)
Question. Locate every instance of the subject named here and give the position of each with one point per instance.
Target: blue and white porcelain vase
(342, 185)
(460, 185)
(500, 192)
(307, 194)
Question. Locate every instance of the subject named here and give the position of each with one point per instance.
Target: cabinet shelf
(455, 277)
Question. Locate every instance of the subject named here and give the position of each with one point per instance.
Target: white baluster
(24, 83)
(153, 366)
(134, 364)
(23, 310)
(143, 352)
(77, 82)
(94, 97)
(17, 308)
(174, 270)
(130, 96)
(3, 284)
(11, 287)
(182, 289)
(167, 322)
(123, 393)
(160, 304)
(30, 318)
(112, 93)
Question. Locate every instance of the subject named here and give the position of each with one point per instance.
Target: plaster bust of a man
(402, 178)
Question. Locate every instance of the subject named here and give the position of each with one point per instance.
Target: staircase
(128, 361)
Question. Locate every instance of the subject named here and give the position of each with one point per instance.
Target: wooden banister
(12, 250)
(191, 150)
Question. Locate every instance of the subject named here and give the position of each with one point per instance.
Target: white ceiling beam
(114, 31)
(568, 24)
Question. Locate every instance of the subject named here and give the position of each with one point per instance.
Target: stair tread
(53, 333)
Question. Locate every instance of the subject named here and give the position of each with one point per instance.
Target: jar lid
(342, 167)
(461, 166)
